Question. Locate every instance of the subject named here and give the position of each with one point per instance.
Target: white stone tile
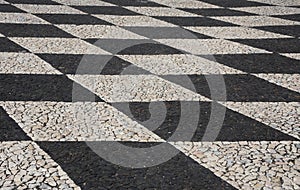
(280, 2)
(48, 9)
(185, 4)
(132, 88)
(80, 121)
(133, 21)
(24, 63)
(236, 33)
(269, 10)
(85, 3)
(160, 11)
(178, 64)
(210, 46)
(58, 46)
(21, 18)
(292, 55)
(252, 21)
(290, 81)
(3, 2)
(27, 166)
(99, 31)
(249, 165)
(283, 116)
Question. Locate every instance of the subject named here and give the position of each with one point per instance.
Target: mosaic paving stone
(149, 94)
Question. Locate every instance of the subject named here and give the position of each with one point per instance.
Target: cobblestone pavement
(160, 94)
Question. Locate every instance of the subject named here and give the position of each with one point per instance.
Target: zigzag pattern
(85, 84)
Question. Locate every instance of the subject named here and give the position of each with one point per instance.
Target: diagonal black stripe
(10, 46)
(45, 2)
(143, 3)
(282, 45)
(90, 64)
(217, 12)
(39, 88)
(260, 63)
(149, 49)
(90, 171)
(72, 19)
(9, 129)
(194, 21)
(166, 33)
(235, 127)
(239, 3)
(32, 30)
(294, 17)
(106, 10)
(293, 30)
(245, 88)
(10, 8)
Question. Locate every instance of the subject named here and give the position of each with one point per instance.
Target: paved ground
(162, 94)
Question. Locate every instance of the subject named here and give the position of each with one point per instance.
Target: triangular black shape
(9, 129)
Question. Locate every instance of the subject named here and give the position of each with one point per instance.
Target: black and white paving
(140, 94)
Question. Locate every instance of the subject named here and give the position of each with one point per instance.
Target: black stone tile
(117, 66)
(10, 46)
(115, 46)
(32, 30)
(106, 10)
(198, 35)
(293, 17)
(142, 3)
(90, 171)
(164, 126)
(45, 2)
(227, 125)
(260, 63)
(10, 8)
(243, 88)
(281, 45)
(193, 21)
(139, 145)
(290, 30)
(90, 64)
(166, 33)
(9, 129)
(217, 12)
(91, 40)
(72, 19)
(42, 88)
(65, 63)
(239, 3)
(236, 127)
(149, 49)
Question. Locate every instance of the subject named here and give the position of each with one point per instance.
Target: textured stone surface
(57, 121)
(92, 92)
(283, 116)
(25, 166)
(249, 165)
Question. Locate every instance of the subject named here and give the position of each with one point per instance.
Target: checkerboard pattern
(252, 46)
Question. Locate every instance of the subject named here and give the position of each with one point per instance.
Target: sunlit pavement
(162, 94)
